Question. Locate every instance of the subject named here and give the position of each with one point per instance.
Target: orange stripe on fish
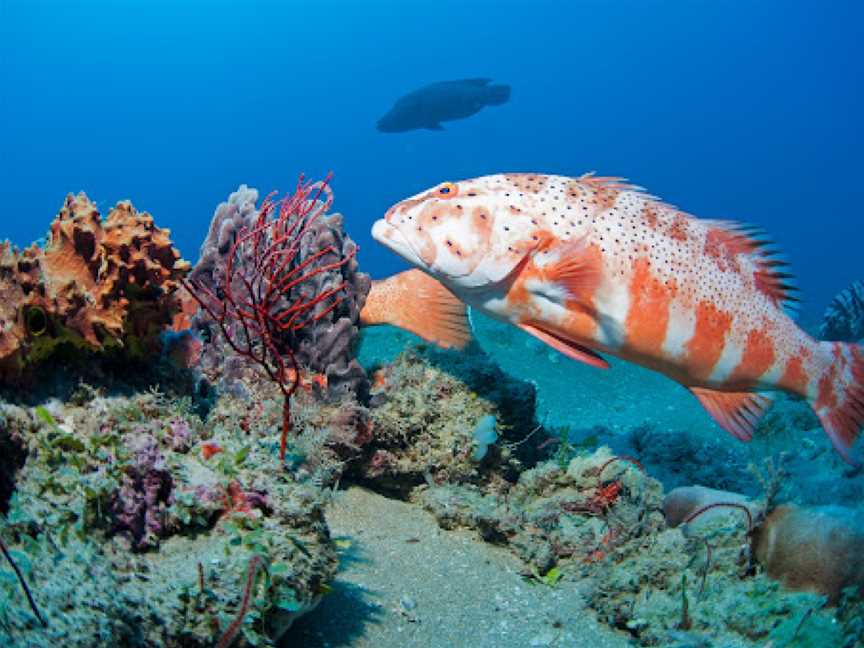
(758, 357)
(648, 315)
(795, 378)
(709, 337)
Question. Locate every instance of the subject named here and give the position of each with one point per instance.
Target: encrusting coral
(94, 284)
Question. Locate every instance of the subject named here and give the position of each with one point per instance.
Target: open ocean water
(180, 467)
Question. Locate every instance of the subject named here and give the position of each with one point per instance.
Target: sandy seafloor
(404, 582)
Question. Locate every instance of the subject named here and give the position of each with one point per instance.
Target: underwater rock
(844, 318)
(684, 501)
(324, 346)
(425, 407)
(13, 453)
(130, 534)
(679, 458)
(595, 506)
(818, 549)
(94, 285)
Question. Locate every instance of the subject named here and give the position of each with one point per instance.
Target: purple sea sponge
(145, 492)
(326, 344)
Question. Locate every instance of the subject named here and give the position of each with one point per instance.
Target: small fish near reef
(592, 265)
(443, 101)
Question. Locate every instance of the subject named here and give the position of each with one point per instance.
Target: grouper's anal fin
(736, 412)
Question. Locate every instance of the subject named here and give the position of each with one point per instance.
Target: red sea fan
(251, 305)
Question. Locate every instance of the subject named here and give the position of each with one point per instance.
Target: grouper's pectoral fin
(736, 412)
(571, 349)
(414, 301)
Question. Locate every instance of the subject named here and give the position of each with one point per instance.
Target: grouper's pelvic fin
(414, 301)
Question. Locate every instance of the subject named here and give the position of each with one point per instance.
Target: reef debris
(595, 506)
(425, 407)
(128, 534)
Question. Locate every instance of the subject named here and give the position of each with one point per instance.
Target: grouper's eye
(448, 190)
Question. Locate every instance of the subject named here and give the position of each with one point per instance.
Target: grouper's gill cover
(592, 265)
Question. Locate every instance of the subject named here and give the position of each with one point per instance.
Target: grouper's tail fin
(414, 301)
(837, 395)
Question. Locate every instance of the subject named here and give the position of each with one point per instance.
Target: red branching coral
(251, 307)
(229, 634)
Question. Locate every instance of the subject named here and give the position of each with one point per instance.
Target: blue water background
(739, 110)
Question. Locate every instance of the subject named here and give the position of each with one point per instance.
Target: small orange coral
(96, 284)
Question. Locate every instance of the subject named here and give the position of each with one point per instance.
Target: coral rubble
(593, 507)
(94, 284)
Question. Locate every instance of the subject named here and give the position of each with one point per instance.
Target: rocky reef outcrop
(426, 407)
(137, 523)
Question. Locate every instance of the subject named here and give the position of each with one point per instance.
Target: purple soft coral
(145, 492)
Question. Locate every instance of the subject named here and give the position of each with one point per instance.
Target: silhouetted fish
(444, 101)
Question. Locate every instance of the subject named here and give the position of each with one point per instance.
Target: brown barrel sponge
(818, 549)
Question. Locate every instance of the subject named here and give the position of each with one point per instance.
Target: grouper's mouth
(390, 236)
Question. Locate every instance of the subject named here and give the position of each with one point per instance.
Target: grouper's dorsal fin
(728, 239)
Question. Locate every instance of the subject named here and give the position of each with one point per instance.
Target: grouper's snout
(390, 236)
(382, 231)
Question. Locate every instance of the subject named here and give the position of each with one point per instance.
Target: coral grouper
(590, 264)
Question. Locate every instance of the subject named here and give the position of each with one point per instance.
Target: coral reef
(595, 506)
(325, 254)
(135, 524)
(681, 588)
(94, 284)
(425, 407)
(844, 317)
